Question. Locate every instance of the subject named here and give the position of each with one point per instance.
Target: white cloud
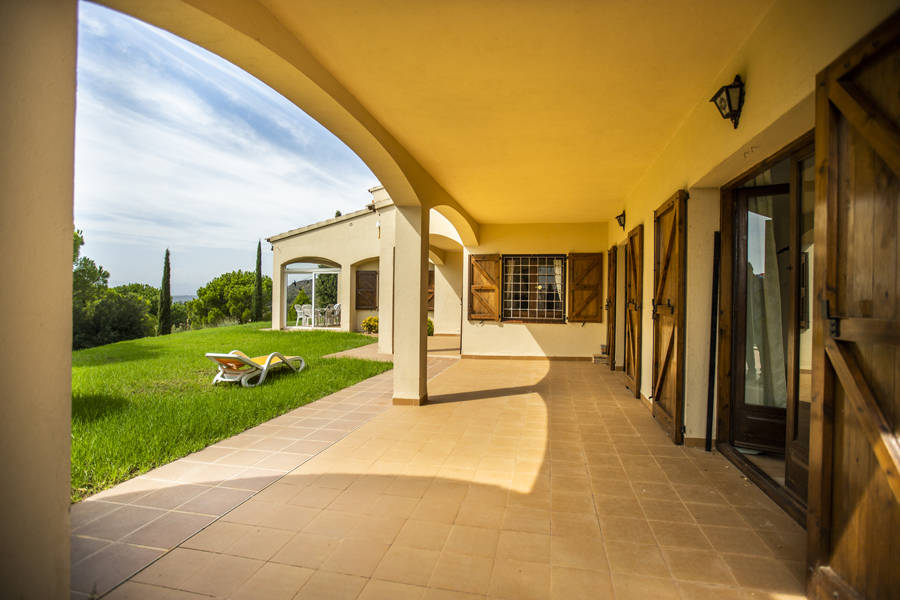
(177, 148)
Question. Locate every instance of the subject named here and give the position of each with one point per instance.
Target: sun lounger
(237, 366)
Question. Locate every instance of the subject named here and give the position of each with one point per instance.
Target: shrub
(112, 317)
(370, 325)
(430, 326)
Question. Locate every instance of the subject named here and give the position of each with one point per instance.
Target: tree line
(103, 315)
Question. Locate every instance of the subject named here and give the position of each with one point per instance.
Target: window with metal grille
(534, 288)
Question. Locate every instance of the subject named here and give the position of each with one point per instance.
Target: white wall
(496, 338)
(448, 285)
(702, 222)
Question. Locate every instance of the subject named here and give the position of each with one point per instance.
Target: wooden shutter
(854, 451)
(367, 290)
(634, 294)
(484, 287)
(669, 278)
(585, 282)
(430, 299)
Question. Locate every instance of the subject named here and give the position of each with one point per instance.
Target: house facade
(743, 273)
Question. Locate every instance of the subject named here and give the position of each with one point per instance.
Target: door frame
(636, 328)
(673, 424)
(730, 333)
(611, 274)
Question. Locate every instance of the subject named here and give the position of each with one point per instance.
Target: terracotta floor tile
(636, 587)
(314, 496)
(131, 590)
(175, 568)
(82, 547)
(532, 520)
(488, 516)
(393, 506)
(115, 525)
(462, 573)
(522, 546)
(736, 540)
(306, 550)
(333, 523)
(390, 590)
(516, 580)
(287, 517)
(222, 576)
(698, 565)
(627, 529)
(666, 510)
(273, 582)
(331, 586)
(357, 556)
(577, 584)
(565, 524)
(401, 564)
(636, 559)
(436, 511)
(579, 552)
(426, 535)
(611, 506)
(764, 573)
(171, 497)
(101, 571)
(260, 543)
(168, 530)
(215, 501)
(476, 541)
(704, 591)
(218, 537)
(680, 535)
(439, 594)
(713, 514)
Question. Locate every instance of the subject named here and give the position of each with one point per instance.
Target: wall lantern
(620, 219)
(730, 100)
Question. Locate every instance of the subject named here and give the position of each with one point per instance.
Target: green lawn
(143, 403)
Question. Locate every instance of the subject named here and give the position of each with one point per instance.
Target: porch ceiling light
(730, 100)
(620, 219)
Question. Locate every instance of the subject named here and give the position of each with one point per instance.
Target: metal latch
(834, 323)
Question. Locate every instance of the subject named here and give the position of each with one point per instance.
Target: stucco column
(410, 283)
(279, 319)
(345, 290)
(386, 284)
(37, 126)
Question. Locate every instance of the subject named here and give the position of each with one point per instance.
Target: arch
(318, 260)
(249, 36)
(465, 225)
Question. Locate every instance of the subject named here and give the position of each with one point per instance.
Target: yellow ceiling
(528, 111)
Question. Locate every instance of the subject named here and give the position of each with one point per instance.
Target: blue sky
(176, 147)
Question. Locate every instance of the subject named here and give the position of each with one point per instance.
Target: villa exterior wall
(448, 294)
(498, 338)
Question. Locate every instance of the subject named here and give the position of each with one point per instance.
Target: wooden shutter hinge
(834, 323)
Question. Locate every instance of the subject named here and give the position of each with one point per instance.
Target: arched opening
(311, 293)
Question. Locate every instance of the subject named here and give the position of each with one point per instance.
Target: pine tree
(257, 302)
(164, 316)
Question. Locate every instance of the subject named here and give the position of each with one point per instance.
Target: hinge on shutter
(834, 323)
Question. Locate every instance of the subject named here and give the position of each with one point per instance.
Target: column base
(411, 401)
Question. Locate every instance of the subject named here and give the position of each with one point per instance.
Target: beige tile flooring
(521, 480)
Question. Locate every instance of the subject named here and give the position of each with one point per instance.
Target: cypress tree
(257, 301)
(164, 316)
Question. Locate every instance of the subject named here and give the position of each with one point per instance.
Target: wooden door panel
(668, 314)
(634, 266)
(854, 485)
(611, 307)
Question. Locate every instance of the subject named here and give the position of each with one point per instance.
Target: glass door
(763, 277)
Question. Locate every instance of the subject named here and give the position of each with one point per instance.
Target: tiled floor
(521, 480)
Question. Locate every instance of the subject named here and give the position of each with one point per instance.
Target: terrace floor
(520, 480)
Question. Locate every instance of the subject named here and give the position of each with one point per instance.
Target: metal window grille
(534, 288)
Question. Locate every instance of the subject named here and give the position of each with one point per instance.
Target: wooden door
(611, 307)
(854, 483)
(669, 242)
(634, 266)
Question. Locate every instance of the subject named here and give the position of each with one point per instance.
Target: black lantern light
(620, 219)
(730, 100)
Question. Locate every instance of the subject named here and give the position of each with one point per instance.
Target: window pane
(534, 288)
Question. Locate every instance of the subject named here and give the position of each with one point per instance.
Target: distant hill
(294, 288)
(183, 298)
